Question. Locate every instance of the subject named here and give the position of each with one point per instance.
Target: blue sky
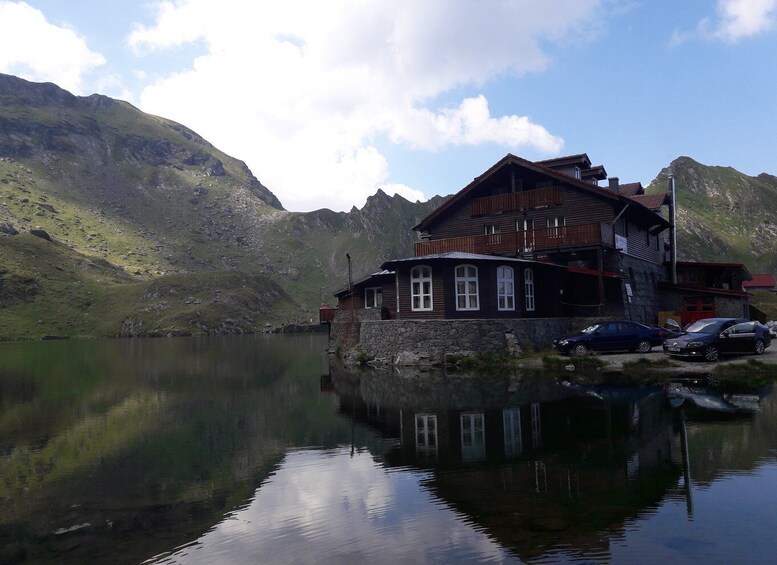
(328, 101)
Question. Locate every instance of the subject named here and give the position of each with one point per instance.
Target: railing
(513, 201)
(520, 241)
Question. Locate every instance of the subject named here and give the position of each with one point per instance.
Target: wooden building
(541, 239)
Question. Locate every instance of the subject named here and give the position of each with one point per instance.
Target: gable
(506, 173)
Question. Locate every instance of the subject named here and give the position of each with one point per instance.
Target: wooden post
(600, 268)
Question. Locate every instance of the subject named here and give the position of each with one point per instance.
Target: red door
(697, 308)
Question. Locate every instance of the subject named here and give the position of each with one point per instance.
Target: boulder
(43, 234)
(8, 229)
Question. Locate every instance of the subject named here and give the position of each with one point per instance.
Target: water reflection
(535, 463)
(237, 450)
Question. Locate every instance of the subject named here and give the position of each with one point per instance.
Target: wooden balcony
(513, 201)
(511, 243)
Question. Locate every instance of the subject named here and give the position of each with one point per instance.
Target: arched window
(421, 288)
(528, 289)
(467, 287)
(505, 288)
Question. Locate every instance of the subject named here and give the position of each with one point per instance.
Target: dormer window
(578, 173)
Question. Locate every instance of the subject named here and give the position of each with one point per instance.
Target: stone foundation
(422, 342)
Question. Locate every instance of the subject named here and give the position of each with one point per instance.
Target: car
(709, 338)
(617, 335)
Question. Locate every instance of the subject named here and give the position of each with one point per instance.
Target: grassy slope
(154, 199)
(47, 288)
(724, 215)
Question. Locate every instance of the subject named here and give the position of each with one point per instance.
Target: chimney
(614, 184)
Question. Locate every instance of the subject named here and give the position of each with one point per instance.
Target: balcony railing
(513, 201)
(541, 239)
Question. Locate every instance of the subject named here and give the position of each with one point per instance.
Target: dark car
(619, 335)
(710, 338)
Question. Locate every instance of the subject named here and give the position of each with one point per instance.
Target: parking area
(615, 361)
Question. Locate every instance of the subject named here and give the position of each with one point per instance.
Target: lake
(254, 449)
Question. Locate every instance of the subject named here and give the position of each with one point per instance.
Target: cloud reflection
(331, 507)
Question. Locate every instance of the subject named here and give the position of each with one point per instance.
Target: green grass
(644, 363)
(583, 363)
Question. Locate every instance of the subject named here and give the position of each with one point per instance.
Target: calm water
(254, 450)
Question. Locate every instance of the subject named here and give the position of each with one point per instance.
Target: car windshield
(704, 327)
(592, 329)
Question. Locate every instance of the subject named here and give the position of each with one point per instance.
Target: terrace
(511, 243)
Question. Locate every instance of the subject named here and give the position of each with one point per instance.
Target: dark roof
(651, 201)
(631, 188)
(702, 289)
(537, 167)
(363, 280)
(761, 280)
(461, 256)
(581, 158)
(748, 276)
(596, 172)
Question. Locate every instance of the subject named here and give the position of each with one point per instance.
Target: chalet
(543, 240)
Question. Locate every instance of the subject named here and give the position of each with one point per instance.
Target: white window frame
(423, 290)
(375, 291)
(528, 289)
(526, 237)
(473, 436)
(426, 434)
(505, 288)
(471, 299)
(511, 420)
(491, 229)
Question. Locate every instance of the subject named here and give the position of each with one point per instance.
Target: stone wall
(645, 302)
(429, 341)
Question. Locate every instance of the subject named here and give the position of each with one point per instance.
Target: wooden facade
(545, 299)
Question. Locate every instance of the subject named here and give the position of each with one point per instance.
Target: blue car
(618, 335)
(710, 338)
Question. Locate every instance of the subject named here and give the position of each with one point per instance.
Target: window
(490, 229)
(511, 418)
(526, 237)
(373, 297)
(556, 223)
(505, 288)
(421, 288)
(528, 289)
(466, 287)
(578, 173)
(473, 436)
(426, 434)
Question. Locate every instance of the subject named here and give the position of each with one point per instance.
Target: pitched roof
(362, 280)
(651, 201)
(761, 280)
(537, 167)
(461, 256)
(631, 188)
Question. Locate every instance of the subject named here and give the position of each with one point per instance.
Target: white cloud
(34, 49)
(304, 91)
(734, 20)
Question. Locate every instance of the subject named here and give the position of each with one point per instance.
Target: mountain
(723, 215)
(169, 219)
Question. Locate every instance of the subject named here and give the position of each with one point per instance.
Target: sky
(329, 101)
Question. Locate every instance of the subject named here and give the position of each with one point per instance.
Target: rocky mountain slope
(723, 215)
(155, 204)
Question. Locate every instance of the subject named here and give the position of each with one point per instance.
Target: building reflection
(538, 464)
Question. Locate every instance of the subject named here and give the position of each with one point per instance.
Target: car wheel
(644, 346)
(580, 349)
(711, 353)
(760, 346)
